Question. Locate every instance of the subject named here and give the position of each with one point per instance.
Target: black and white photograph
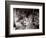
(24, 19)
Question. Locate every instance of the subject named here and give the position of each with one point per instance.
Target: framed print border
(7, 17)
